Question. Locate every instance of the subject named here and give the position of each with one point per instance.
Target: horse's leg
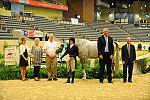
(83, 62)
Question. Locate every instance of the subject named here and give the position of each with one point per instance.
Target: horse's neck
(81, 42)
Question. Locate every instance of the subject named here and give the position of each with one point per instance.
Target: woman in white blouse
(23, 58)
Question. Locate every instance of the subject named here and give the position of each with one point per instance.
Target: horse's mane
(78, 39)
(80, 42)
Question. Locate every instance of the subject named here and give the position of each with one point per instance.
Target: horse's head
(59, 50)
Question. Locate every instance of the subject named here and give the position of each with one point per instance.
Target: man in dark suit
(105, 53)
(128, 58)
(72, 50)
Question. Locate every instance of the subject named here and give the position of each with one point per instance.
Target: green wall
(45, 12)
(62, 1)
(5, 12)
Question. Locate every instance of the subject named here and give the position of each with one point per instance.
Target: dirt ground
(80, 90)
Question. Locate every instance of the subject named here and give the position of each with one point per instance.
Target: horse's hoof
(84, 78)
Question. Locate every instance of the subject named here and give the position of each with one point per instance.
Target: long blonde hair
(22, 39)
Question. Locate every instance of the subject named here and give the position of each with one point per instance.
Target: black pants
(36, 71)
(128, 64)
(105, 61)
(69, 74)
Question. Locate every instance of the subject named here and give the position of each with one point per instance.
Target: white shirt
(71, 45)
(128, 47)
(23, 48)
(51, 47)
(106, 46)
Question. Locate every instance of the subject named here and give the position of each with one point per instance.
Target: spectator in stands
(128, 58)
(105, 53)
(13, 14)
(72, 50)
(23, 58)
(21, 14)
(136, 24)
(50, 48)
(36, 52)
(46, 37)
(21, 17)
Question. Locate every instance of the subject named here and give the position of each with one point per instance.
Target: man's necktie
(129, 50)
(106, 47)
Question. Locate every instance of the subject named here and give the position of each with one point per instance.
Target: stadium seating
(83, 31)
(116, 32)
(4, 35)
(140, 34)
(45, 25)
(90, 31)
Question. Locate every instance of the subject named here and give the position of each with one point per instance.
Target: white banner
(38, 34)
(74, 21)
(10, 56)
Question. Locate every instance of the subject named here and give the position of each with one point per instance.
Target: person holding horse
(72, 50)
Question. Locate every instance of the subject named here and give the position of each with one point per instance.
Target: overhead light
(141, 7)
(145, 6)
(124, 6)
(129, 5)
(112, 3)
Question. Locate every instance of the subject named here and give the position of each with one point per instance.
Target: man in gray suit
(128, 58)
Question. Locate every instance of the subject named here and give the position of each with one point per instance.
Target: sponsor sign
(41, 4)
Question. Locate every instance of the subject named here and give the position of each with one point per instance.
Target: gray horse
(88, 50)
